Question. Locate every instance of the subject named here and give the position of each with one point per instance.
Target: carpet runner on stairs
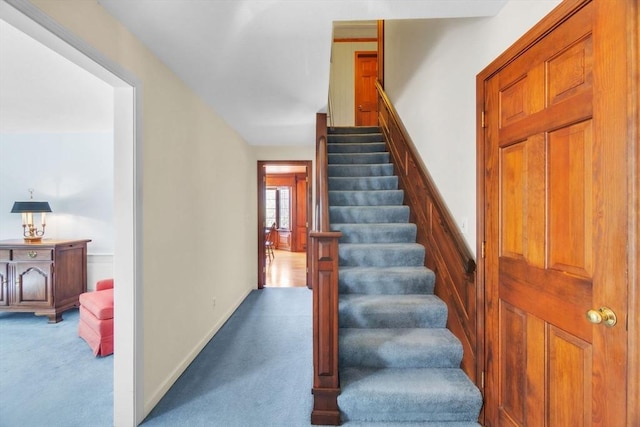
(399, 365)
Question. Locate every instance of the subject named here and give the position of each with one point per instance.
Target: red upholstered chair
(96, 318)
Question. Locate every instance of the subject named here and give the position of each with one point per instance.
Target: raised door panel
(33, 284)
(4, 283)
(301, 222)
(284, 240)
(570, 170)
(70, 274)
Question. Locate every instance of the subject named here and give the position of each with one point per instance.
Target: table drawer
(5, 254)
(32, 255)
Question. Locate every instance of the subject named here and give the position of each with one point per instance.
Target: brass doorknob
(602, 315)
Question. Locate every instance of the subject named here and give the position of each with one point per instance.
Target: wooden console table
(44, 278)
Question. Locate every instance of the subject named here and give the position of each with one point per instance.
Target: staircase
(399, 365)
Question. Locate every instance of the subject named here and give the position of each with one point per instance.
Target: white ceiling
(263, 65)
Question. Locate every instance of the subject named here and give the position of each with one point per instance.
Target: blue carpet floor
(255, 372)
(49, 376)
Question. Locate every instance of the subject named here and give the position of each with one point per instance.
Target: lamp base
(33, 239)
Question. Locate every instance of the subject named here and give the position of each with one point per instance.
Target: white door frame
(128, 402)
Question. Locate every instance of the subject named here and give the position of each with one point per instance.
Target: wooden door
(556, 211)
(300, 213)
(366, 97)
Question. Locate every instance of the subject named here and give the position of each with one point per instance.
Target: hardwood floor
(287, 270)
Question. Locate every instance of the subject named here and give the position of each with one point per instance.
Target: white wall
(285, 152)
(342, 80)
(430, 71)
(74, 173)
(198, 203)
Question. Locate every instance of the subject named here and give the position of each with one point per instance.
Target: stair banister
(447, 251)
(324, 283)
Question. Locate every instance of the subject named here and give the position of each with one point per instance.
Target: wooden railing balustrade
(324, 282)
(447, 253)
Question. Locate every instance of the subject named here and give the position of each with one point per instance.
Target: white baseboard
(164, 387)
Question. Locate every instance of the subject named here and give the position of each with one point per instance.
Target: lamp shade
(20, 207)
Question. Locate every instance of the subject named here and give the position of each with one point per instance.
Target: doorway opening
(127, 362)
(284, 207)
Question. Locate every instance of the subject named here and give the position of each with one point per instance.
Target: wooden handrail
(323, 264)
(447, 254)
(322, 175)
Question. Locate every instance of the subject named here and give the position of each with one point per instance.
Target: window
(278, 207)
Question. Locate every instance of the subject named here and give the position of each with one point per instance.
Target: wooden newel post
(324, 282)
(326, 382)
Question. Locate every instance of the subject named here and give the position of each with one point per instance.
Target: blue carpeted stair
(399, 365)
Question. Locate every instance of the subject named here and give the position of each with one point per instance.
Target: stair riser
(388, 318)
(369, 183)
(399, 348)
(384, 169)
(356, 281)
(391, 311)
(355, 138)
(361, 147)
(341, 130)
(373, 256)
(376, 233)
(368, 215)
(366, 198)
(360, 158)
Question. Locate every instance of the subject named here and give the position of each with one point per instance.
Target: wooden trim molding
(261, 185)
(633, 387)
(448, 254)
(323, 264)
(355, 40)
(381, 52)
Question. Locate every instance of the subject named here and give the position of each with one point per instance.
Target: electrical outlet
(464, 225)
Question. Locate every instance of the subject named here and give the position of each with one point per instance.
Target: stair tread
(365, 280)
(358, 170)
(392, 246)
(353, 198)
(369, 214)
(391, 311)
(381, 254)
(399, 347)
(376, 232)
(364, 191)
(408, 394)
(365, 183)
(393, 301)
(358, 158)
(374, 270)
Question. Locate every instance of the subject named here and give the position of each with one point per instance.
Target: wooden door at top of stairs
(557, 211)
(366, 96)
